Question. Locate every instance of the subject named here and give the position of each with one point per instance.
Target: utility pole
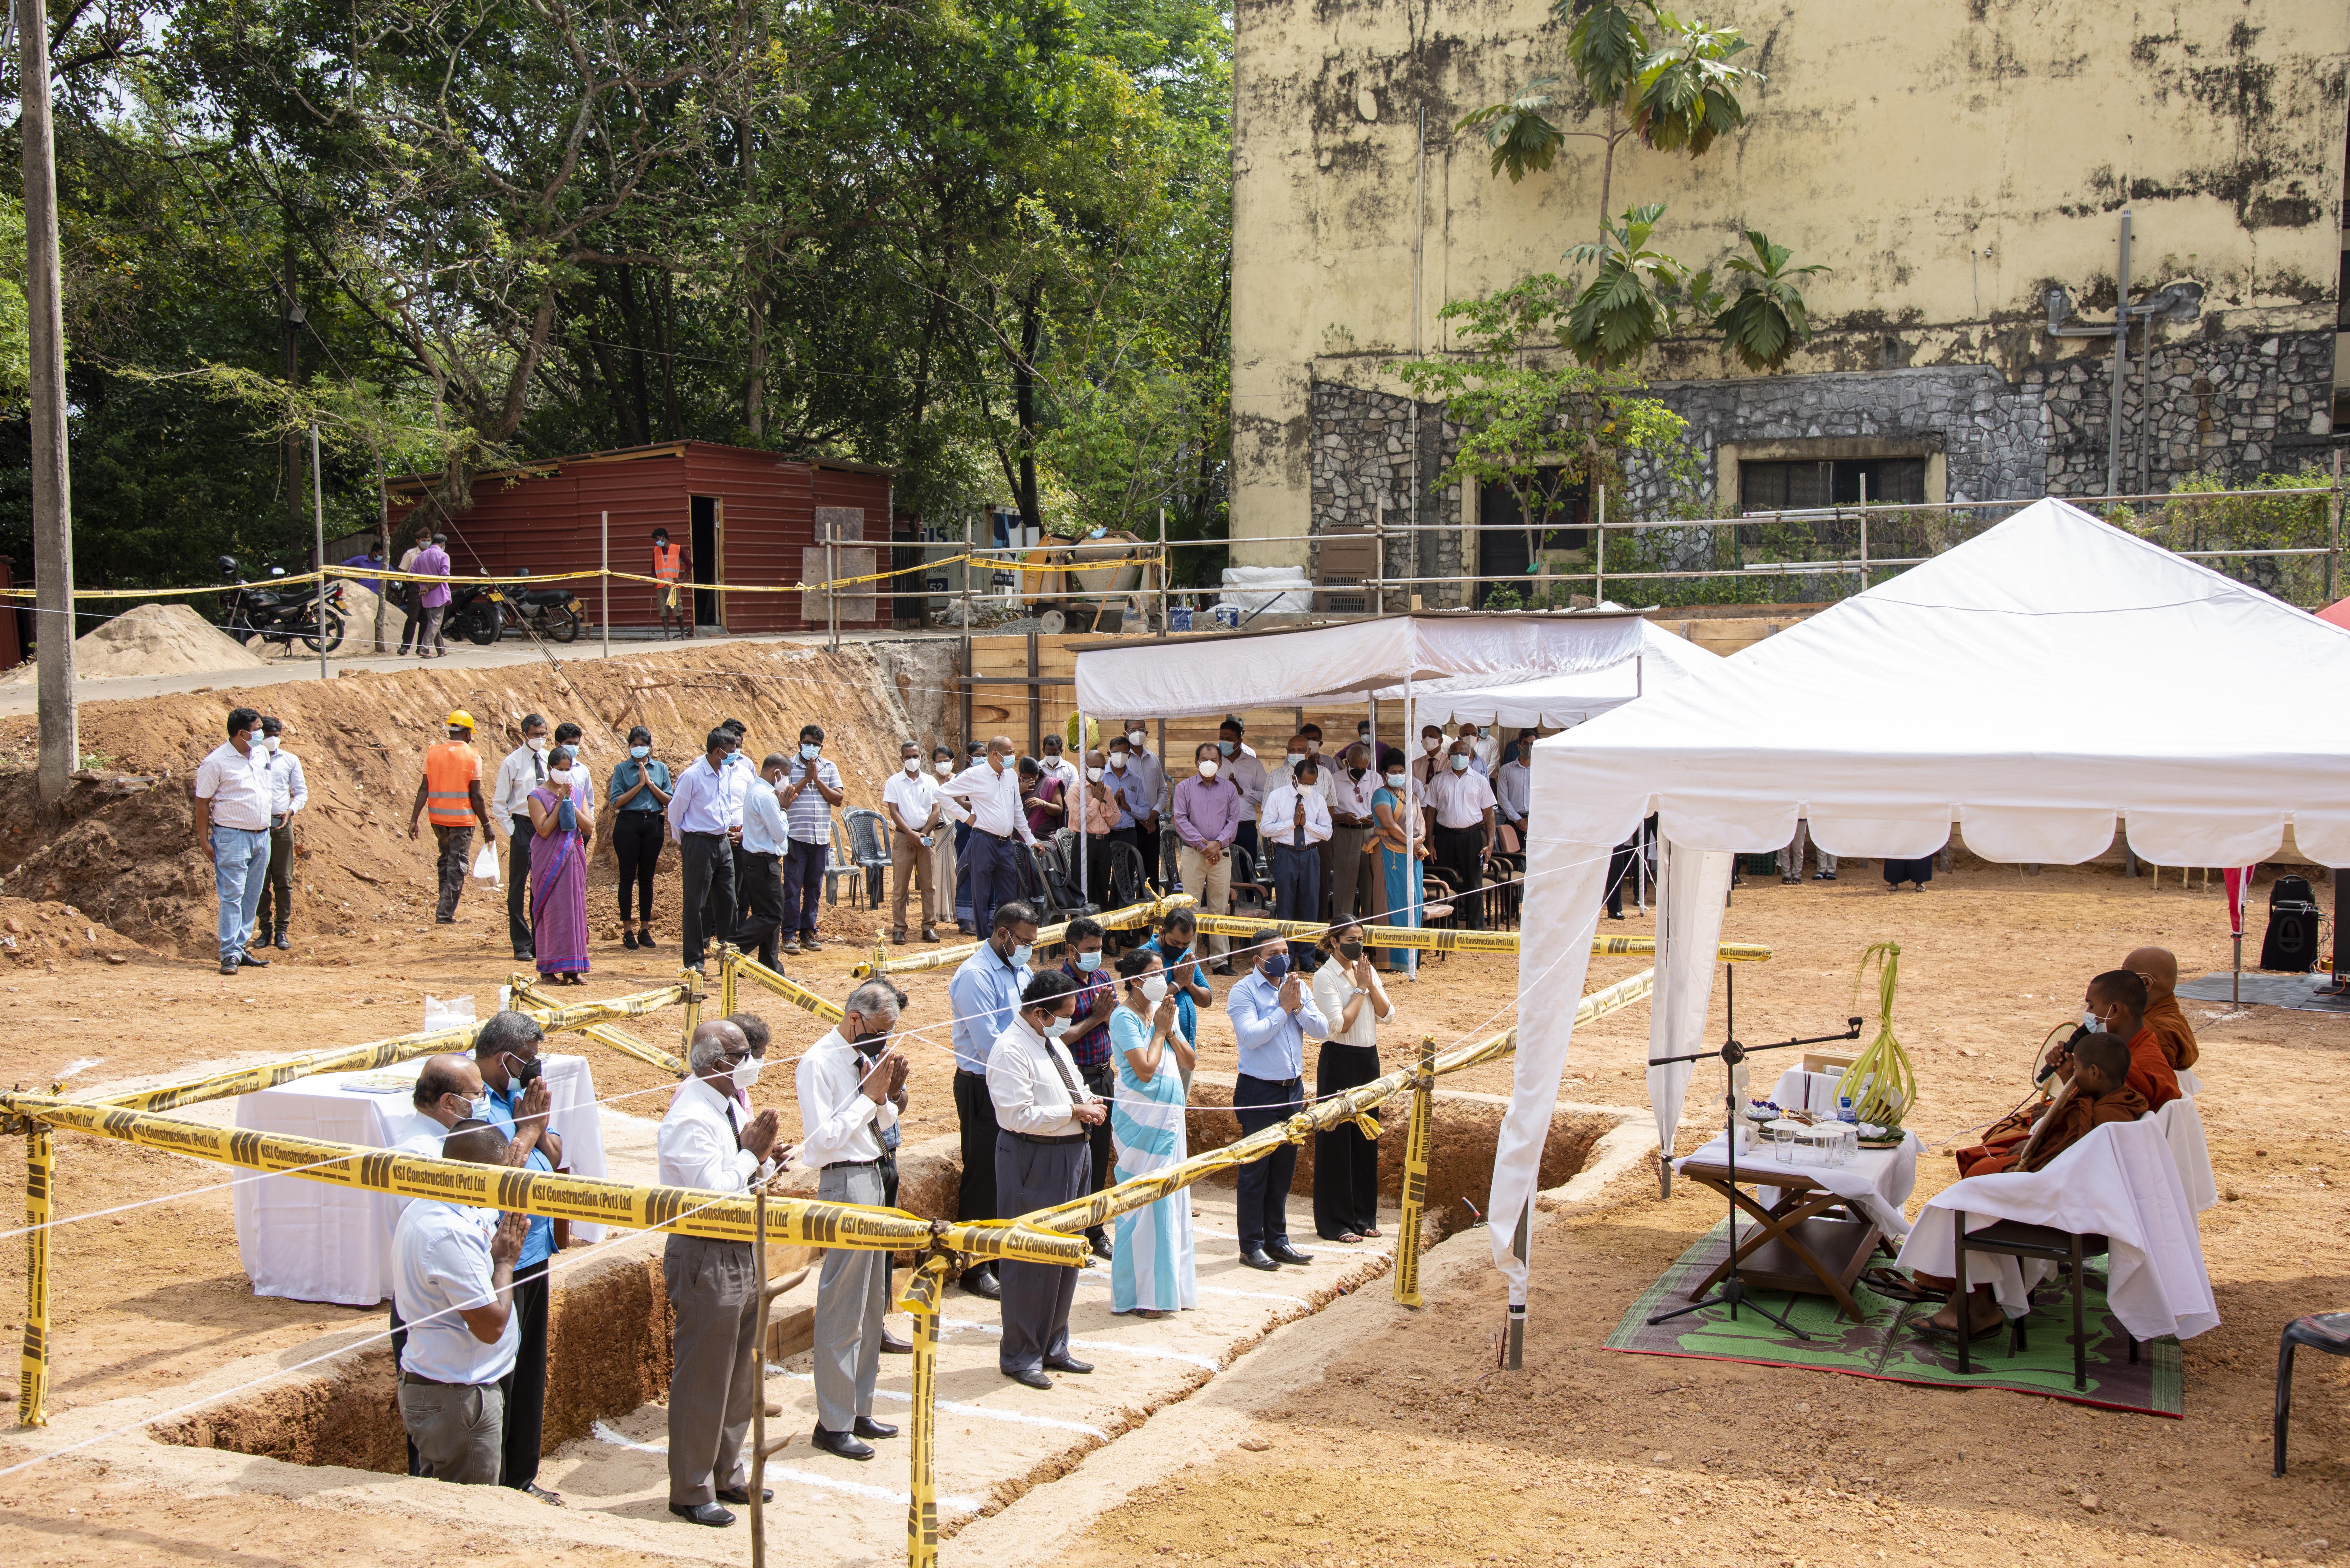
(52, 494)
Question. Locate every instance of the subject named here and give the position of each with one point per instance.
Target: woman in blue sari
(1178, 933)
(1152, 1271)
(1400, 853)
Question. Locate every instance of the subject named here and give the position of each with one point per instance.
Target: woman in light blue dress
(1152, 1272)
(1400, 867)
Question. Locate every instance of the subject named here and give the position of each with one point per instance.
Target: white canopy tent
(1664, 660)
(2030, 687)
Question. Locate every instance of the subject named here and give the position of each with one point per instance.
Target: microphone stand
(1733, 1291)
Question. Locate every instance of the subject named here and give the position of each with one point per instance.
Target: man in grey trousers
(1042, 1112)
(452, 1282)
(709, 1139)
(849, 1083)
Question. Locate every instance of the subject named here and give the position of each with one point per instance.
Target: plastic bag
(447, 1013)
(486, 863)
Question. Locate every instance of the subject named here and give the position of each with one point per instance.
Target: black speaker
(2290, 946)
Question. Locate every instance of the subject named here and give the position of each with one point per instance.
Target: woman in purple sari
(558, 873)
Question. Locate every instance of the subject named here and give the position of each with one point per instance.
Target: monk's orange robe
(2071, 1117)
(2150, 1073)
(2169, 1026)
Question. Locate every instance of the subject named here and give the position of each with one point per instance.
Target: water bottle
(1844, 1111)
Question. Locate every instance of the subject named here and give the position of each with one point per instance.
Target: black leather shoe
(228, 966)
(249, 961)
(628, 937)
(867, 1427)
(893, 1345)
(1101, 1248)
(1283, 1253)
(644, 941)
(708, 1514)
(1034, 1376)
(1256, 1258)
(983, 1283)
(847, 1445)
(1068, 1364)
(740, 1495)
(279, 941)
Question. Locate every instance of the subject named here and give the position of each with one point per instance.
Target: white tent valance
(1345, 663)
(2030, 686)
(1664, 660)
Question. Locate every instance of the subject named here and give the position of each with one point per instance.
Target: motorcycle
(488, 610)
(276, 616)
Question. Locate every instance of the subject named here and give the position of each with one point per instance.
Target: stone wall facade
(1369, 447)
(2233, 404)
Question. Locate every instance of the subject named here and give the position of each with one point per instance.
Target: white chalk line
(605, 1434)
(982, 1411)
(1148, 1353)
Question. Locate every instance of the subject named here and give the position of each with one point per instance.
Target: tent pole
(1084, 784)
(1413, 898)
(1599, 555)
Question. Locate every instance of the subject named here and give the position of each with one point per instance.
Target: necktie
(539, 765)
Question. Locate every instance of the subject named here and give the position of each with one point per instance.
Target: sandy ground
(1408, 1446)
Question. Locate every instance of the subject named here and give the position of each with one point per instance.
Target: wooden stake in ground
(52, 495)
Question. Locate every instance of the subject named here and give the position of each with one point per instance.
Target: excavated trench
(609, 1335)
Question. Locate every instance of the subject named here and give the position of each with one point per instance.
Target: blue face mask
(641, 752)
(1089, 962)
(1226, 747)
(1276, 969)
(1395, 781)
(810, 750)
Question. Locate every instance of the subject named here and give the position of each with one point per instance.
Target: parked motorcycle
(490, 608)
(280, 615)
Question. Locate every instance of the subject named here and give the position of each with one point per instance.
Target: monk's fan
(1881, 1082)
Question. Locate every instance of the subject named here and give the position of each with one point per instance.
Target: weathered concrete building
(1951, 159)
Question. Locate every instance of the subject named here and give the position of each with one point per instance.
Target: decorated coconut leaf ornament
(1887, 1086)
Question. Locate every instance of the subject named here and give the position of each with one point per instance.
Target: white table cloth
(2182, 1129)
(2120, 1182)
(311, 1241)
(1878, 1181)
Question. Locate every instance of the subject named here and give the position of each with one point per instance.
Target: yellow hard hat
(460, 719)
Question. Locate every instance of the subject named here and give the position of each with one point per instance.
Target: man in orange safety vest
(450, 793)
(672, 565)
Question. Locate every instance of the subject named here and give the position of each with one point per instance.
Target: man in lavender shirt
(1208, 812)
(433, 561)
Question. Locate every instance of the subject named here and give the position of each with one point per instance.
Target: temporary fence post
(1864, 533)
(606, 580)
(1379, 570)
(727, 958)
(832, 587)
(40, 1176)
(970, 542)
(1415, 1177)
(1162, 607)
(692, 978)
(318, 531)
(1600, 554)
(2334, 526)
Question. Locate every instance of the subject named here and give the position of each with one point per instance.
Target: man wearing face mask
(515, 1101)
(946, 847)
(1460, 805)
(1273, 1013)
(762, 892)
(523, 770)
(1209, 810)
(233, 797)
(1043, 1158)
(706, 804)
(1088, 1045)
(990, 791)
(1247, 772)
(1053, 765)
(1150, 775)
(809, 795)
(850, 1085)
(983, 997)
(1351, 823)
(1347, 1164)
(1432, 760)
(1295, 822)
(708, 1141)
(289, 791)
(447, 1086)
(916, 825)
(1135, 809)
(1485, 750)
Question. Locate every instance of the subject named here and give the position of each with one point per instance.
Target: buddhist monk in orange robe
(2158, 967)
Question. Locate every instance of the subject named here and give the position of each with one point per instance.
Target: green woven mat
(1883, 1345)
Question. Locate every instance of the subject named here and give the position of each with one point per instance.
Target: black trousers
(277, 887)
(761, 896)
(1260, 1103)
(524, 1387)
(709, 891)
(1103, 1082)
(1036, 1296)
(976, 1114)
(519, 885)
(1345, 1163)
(637, 840)
(1619, 872)
(1458, 850)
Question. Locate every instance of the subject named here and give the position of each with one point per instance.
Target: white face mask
(1020, 954)
(641, 752)
(1208, 769)
(1117, 761)
(1154, 989)
(1430, 742)
(913, 765)
(536, 742)
(1295, 759)
(946, 768)
(747, 1071)
(1058, 1027)
(2093, 1023)
(1094, 775)
(269, 741)
(1134, 737)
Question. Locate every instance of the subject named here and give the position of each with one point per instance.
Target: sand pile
(33, 932)
(152, 640)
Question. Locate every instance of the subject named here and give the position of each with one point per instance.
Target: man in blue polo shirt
(515, 1101)
(1272, 1015)
(984, 997)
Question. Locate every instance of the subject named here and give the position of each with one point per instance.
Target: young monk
(2158, 967)
(2116, 1002)
(2098, 1092)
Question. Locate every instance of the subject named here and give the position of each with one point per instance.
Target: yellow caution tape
(924, 1293)
(798, 995)
(946, 957)
(40, 1187)
(1415, 1176)
(1449, 940)
(686, 1211)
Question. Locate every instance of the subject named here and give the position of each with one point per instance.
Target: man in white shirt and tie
(453, 1286)
(1353, 782)
(289, 791)
(705, 816)
(233, 797)
(523, 770)
(1462, 804)
(1042, 1110)
(707, 1141)
(1149, 773)
(918, 822)
(846, 1083)
(1294, 820)
(989, 790)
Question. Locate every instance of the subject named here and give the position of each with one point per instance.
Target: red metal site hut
(748, 517)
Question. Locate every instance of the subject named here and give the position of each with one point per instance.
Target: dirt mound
(37, 933)
(124, 846)
(151, 639)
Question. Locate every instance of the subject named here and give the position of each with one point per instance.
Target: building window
(1829, 482)
(1506, 547)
